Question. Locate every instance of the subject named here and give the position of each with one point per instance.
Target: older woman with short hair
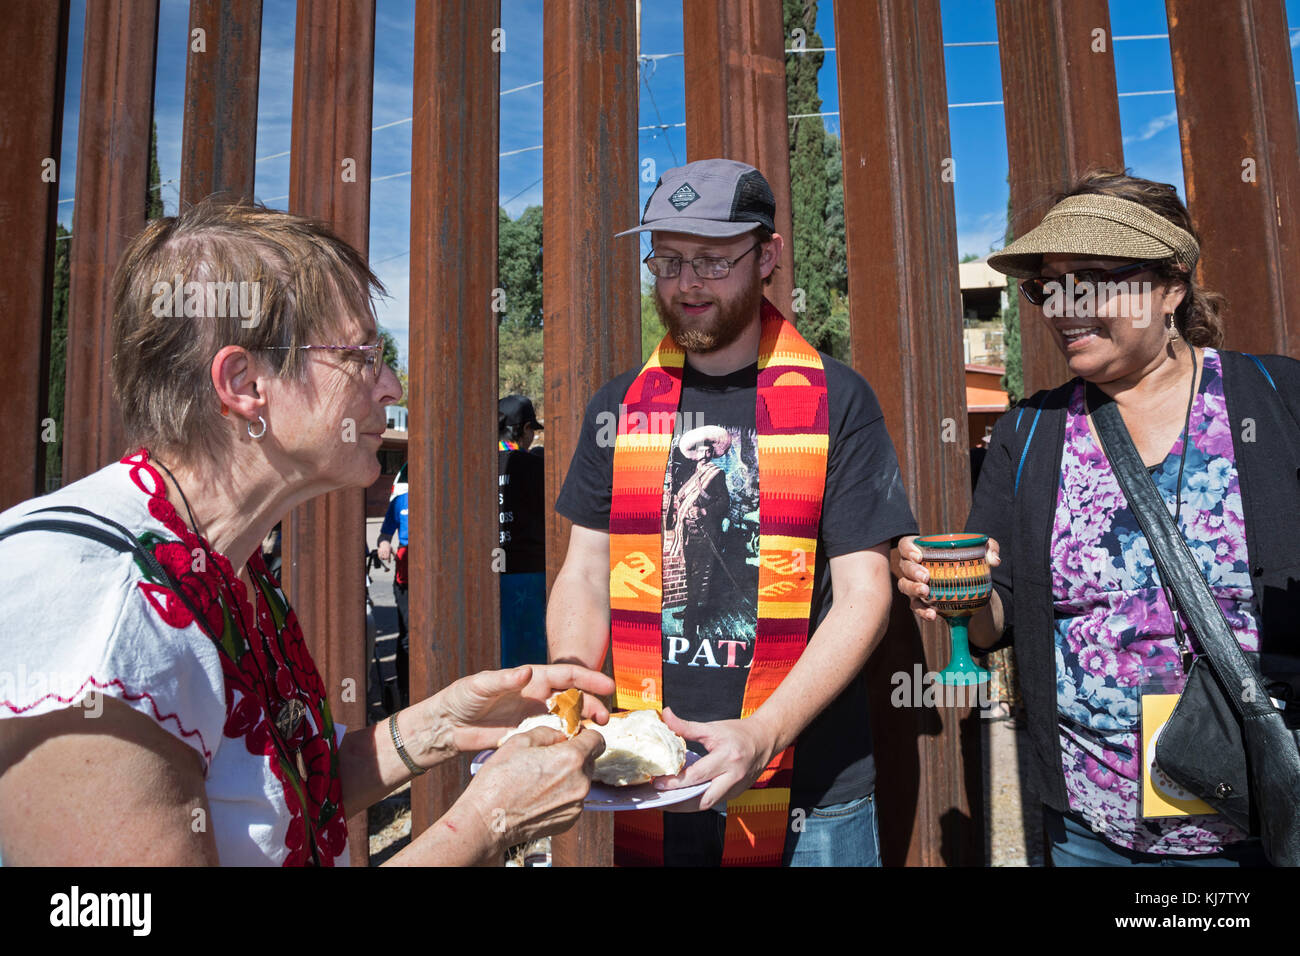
(1075, 583)
(249, 372)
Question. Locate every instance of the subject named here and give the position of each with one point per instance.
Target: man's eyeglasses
(1037, 290)
(369, 356)
(706, 267)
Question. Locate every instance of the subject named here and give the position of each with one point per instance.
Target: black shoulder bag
(1225, 741)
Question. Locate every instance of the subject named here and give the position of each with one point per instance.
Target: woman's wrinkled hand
(913, 579)
(478, 710)
(534, 785)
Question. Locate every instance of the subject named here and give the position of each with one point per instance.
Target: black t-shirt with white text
(521, 511)
(710, 549)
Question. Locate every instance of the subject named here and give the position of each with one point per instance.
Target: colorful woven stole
(793, 421)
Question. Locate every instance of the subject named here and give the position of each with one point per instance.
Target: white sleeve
(77, 622)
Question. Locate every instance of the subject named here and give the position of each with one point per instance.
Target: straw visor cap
(1097, 226)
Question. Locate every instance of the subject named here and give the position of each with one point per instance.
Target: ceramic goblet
(960, 584)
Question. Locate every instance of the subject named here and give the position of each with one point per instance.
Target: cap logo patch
(684, 196)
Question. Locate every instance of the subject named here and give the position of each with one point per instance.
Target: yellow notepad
(1161, 797)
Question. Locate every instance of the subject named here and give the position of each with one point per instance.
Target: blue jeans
(840, 834)
(1075, 844)
(523, 619)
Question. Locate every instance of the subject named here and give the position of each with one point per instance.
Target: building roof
(979, 275)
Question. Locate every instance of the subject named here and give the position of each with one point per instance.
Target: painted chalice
(960, 584)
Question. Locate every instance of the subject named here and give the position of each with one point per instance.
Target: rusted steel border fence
(1241, 148)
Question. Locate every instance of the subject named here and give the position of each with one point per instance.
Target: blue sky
(1144, 78)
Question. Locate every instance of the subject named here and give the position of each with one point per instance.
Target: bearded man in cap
(767, 684)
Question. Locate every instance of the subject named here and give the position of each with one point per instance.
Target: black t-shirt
(710, 542)
(521, 511)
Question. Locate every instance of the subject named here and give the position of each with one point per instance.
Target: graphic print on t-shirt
(710, 554)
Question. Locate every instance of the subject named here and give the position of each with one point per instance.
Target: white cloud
(981, 235)
(1153, 128)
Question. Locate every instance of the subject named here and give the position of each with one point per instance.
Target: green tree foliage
(58, 355)
(815, 198)
(1013, 380)
(519, 265)
(652, 329)
(519, 363)
(837, 264)
(393, 361)
(519, 332)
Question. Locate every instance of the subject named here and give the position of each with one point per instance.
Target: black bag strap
(1177, 567)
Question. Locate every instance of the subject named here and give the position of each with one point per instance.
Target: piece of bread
(638, 747)
(567, 705)
(565, 715)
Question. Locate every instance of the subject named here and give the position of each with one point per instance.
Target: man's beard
(703, 335)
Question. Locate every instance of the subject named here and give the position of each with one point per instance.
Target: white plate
(641, 797)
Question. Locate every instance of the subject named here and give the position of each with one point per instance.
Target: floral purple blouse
(1114, 632)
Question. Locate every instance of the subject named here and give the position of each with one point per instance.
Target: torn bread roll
(638, 744)
(638, 747)
(567, 705)
(565, 715)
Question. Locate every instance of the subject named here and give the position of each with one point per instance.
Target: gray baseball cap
(718, 198)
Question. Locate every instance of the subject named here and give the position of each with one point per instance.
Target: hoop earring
(260, 433)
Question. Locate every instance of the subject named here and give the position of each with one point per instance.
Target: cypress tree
(812, 197)
(1013, 379)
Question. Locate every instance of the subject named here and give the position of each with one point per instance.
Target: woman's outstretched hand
(480, 709)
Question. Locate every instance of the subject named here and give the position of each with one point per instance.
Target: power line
(406, 119)
(645, 78)
(151, 189)
(522, 191)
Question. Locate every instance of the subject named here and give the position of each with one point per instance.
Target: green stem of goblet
(961, 670)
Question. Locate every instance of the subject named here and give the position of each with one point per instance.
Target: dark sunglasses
(1037, 290)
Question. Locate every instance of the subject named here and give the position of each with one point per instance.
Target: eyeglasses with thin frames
(1036, 289)
(372, 356)
(706, 267)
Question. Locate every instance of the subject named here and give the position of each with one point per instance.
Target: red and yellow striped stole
(793, 421)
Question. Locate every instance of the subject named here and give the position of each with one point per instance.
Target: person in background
(522, 534)
(395, 523)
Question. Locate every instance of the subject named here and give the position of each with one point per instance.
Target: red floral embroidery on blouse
(266, 679)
